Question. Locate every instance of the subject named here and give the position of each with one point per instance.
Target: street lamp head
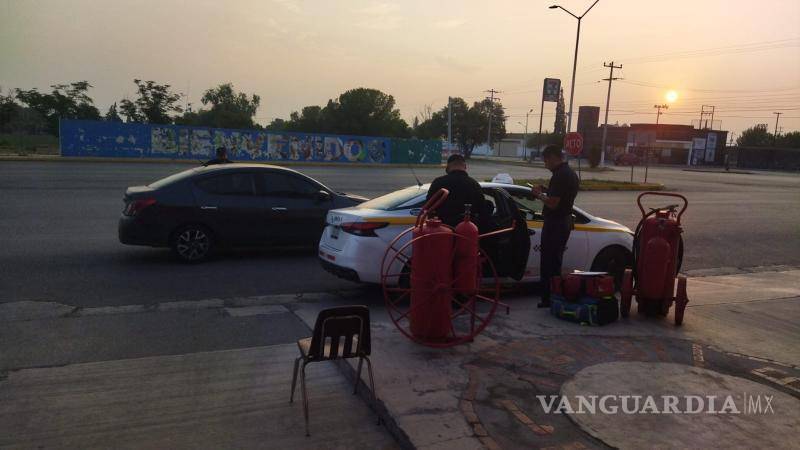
(553, 6)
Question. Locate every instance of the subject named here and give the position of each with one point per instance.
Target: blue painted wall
(110, 139)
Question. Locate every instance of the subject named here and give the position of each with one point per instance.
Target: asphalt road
(58, 230)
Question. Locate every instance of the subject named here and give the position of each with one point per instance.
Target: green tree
(367, 112)
(469, 124)
(361, 111)
(228, 108)
(9, 111)
(756, 136)
(277, 124)
(65, 101)
(789, 140)
(112, 115)
(154, 104)
(311, 119)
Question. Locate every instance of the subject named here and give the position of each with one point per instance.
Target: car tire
(192, 243)
(613, 260)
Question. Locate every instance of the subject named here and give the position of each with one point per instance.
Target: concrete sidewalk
(171, 375)
(483, 394)
(740, 333)
(225, 399)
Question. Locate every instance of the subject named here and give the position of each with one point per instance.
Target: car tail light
(363, 228)
(137, 205)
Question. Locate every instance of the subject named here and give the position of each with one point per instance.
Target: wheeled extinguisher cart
(657, 255)
(440, 288)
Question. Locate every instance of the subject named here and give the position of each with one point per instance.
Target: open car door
(508, 251)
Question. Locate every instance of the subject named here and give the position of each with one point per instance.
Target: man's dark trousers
(555, 234)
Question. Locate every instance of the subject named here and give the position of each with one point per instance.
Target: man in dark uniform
(463, 190)
(558, 199)
(222, 158)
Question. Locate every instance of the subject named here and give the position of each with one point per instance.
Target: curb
(376, 405)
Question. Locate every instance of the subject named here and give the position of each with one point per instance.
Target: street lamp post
(575, 60)
(525, 137)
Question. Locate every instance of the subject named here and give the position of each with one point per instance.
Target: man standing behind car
(463, 190)
(222, 158)
(558, 199)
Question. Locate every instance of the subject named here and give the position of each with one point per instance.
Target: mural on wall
(108, 139)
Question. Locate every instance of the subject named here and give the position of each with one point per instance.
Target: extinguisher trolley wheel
(471, 311)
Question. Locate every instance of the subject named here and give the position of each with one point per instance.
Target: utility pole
(775, 138)
(449, 123)
(704, 113)
(712, 116)
(608, 101)
(491, 113)
(658, 114)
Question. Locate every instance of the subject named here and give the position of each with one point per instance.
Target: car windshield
(394, 199)
(171, 179)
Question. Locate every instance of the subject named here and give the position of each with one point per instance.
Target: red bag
(572, 286)
(600, 286)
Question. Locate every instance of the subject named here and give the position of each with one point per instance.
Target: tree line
(359, 111)
(759, 136)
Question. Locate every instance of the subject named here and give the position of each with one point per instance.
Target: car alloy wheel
(192, 244)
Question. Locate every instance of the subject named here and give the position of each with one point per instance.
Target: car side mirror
(324, 196)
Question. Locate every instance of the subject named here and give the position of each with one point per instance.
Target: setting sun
(671, 96)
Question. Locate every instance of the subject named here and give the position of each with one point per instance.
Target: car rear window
(394, 199)
(172, 178)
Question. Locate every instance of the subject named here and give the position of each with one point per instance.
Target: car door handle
(279, 209)
(208, 207)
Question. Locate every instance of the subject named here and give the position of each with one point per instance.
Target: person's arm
(435, 186)
(553, 197)
(549, 201)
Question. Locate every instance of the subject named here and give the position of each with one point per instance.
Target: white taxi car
(355, 239)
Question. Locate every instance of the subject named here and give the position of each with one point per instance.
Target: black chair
(334, 325)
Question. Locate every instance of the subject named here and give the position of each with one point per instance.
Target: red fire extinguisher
(431, 308)
(465, 265)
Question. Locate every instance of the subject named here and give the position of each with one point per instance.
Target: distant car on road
(355, 239)
(231, 205)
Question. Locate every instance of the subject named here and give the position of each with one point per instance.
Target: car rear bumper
(132, 231)
(339, 271)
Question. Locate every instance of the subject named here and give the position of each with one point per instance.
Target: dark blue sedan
(231, 205)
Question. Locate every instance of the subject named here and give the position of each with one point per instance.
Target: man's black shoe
(543, 304)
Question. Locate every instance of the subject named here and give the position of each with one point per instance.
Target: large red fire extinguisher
(431, 274)
(465, 264)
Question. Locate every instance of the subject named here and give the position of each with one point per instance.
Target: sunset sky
(741, 56)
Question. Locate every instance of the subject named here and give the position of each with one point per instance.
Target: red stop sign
(573, 143)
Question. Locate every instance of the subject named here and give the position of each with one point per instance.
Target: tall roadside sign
(550, 91)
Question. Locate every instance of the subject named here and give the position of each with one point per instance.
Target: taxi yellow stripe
(411, 220)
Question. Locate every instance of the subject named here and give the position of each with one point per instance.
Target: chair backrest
(341, 332)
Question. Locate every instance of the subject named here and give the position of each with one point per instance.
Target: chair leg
(305, 395)
(372, 386)
(358, 374)
(294, 377)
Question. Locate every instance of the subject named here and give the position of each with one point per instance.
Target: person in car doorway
(464, 190)
(558, 198)
(222, 158)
